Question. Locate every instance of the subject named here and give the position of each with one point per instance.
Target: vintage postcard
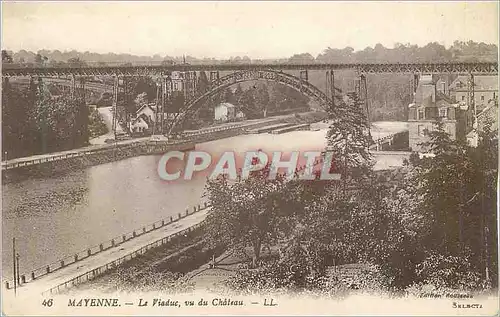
(249, 158)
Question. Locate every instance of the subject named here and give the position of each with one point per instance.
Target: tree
(141, 100)
(458, 197)
(40, 60)
(76, 62)
(242, 213)
(346, 137)
(229, 96)
(203, 83)
(261, 99)
(302, 58)
(6, 57)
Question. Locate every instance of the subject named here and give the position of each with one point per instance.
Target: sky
(226, 29)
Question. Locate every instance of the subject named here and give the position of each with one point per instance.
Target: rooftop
(480, 83)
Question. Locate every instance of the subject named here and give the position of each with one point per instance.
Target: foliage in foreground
(435, 225)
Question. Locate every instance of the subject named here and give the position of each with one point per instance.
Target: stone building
(438, 98)
(430, 104)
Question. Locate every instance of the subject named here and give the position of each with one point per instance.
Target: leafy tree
(346, 137)
(229, 96)
(35, 122)
(140, 100)
(96, 126)
(76, 62)
(242, 213)
(6, 57)
(203, 83)
(40, 59)
(458, 197)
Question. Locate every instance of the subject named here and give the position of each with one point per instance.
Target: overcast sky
(256, 29)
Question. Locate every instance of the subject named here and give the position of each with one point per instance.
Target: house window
(482, 98)
(443, 112)
(463, 98)
(176, 86)
(420, 114)
(421, 130)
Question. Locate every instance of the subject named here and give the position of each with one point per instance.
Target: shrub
(449, 272)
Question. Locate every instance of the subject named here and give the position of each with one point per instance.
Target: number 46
(47, 302)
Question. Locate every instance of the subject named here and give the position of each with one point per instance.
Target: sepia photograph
(301, 158)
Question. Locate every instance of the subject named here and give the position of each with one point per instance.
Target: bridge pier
(330, 86)
(214, 75)
(361, 89)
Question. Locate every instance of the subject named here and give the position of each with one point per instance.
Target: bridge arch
(218, 85)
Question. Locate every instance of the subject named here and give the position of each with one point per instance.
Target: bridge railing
(89, 275)
(95, 249)
(157, 145)
(378, 142)
(113, 243)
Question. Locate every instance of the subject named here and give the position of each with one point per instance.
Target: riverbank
(49, 166)
(89, 265)
(56, 163)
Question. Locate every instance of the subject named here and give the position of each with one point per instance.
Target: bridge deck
(478, 68)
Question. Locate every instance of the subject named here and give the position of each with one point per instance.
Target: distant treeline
(432, 52)
(389, 94)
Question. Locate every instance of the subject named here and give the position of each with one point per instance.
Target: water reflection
(55, 217)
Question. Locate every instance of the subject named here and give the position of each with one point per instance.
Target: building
(485, 90)
(436, 97)
(485, 102)
(431, 103)
(144, 120)
(148, 111)
(225, 112)
(139, 126)
(184, 82)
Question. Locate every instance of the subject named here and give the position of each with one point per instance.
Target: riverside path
(97, 262)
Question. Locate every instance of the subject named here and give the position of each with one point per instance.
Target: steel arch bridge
(216, 86)
(476, 68)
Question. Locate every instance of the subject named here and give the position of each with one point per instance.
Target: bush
(97, 126)
(454, 272)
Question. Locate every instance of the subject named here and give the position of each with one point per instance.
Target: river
(56, 217)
